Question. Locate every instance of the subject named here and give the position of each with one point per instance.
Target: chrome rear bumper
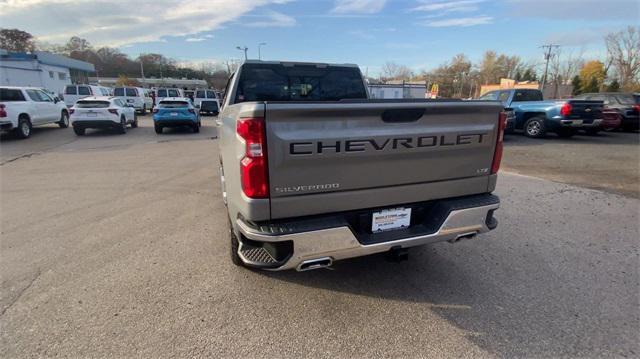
(340, 242)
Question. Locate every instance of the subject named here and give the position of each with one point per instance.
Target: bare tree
(393, 71)
(231, 66)
(623, 50)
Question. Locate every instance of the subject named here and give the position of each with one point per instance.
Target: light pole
(245, 51)
(259, 46)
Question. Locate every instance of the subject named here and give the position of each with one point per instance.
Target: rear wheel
(235, 244)
(134, 124)
(79, 131)
(196, 128)
(144, 109)
(535, 128)
(24, 127)
(123, 126)
(64, 120)
(158, 128)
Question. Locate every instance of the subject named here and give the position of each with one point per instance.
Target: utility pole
(142, 68)
(243, 49)
(547, 57)
(259, 46)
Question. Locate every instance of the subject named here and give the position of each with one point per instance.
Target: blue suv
(175, 112)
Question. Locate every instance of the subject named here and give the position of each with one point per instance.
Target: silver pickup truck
(313, 171)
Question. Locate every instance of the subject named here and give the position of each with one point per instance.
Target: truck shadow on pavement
(501, 313)
(36, 131)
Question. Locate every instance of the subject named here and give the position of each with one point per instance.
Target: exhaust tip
(317, 263)
(462, 236)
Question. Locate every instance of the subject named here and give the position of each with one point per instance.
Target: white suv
(21, 108)
(102, 112)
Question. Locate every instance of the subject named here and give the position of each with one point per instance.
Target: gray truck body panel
(329, 157)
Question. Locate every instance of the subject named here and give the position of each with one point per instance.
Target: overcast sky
(419, 33)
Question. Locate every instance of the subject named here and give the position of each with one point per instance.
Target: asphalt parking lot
(609, 161)
(116, 246)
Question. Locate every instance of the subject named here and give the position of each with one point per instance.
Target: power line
(547, 57)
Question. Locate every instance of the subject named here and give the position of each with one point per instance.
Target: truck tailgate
(586, 109)
(344, 154)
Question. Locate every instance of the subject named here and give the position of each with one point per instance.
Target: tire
(196, 128)
(144, 109)
(592, 131)
(64, 120)
(134, 124)
(123, 126)
(158, 128)
(535, 128)
(79, 131)
(235, 244)
(565, 132)
(24, 127)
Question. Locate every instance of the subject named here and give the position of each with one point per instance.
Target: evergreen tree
(591, 86)
(614, 86)
(577, 85)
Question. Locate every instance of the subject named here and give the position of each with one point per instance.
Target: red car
(611, 119)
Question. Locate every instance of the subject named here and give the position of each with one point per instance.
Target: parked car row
(142, 99)
(590, 113)
(21, 108)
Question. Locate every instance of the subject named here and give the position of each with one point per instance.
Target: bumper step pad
(257, 256)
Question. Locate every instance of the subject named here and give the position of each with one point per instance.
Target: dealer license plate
(174, 114)
(389, 219)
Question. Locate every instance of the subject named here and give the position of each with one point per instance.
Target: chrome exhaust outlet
(462, 236)
(317, 263)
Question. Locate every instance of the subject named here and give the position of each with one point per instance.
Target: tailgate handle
(402, 115)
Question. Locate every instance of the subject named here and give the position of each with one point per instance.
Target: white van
(139, 97)
(204, 94)
(168, 92)
(73, 93)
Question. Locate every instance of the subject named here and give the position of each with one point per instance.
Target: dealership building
(42, 69)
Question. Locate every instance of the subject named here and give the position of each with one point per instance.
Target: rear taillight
(565, 110)
(71, 111)
(497, 155)
(637, 108)
(3, 112)
(253, 166)
(192, 110)
(113, 111)
(155, 110)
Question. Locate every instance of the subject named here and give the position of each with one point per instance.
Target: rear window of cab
(92, 104)
(173, 104)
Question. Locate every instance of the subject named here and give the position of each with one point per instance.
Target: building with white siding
(42, 69)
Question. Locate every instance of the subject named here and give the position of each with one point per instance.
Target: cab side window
(34, 95)
(489, 96)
